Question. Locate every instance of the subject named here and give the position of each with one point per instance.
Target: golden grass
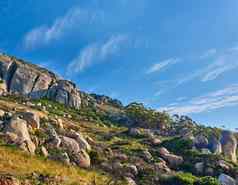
(20, 164)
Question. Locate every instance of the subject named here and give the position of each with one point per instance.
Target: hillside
(53, 133)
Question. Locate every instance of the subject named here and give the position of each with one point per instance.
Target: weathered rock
(135, 132)
(201, 141)
(55, 140)
(32, 119)
(64, 157)
(226, 180)
(224, 165)
(82, 159)
(2, 113)
(130, 181)
(147, 156)
(162, 167)
(30, 80)
(199, 167)
(3, 88)
(69, 144)
(229, 145)
(8, 180)
(18, 128)
(132, 169)
(44, 151)
(65, 92)
(172, 159)
(83, 144)
(215, 145)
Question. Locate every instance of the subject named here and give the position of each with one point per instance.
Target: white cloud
(45, 34)
(96, 52)
(161, 65)
(215, 100)
(222, 63)
(209, 53)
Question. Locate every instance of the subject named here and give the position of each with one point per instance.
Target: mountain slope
(70, 137)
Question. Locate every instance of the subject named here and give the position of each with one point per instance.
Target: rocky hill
(53, 133)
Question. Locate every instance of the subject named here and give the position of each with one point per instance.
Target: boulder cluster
(25, 130)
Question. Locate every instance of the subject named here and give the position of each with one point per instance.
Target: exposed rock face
(17, 132)
(29, 80)
(215, 145)
(229, 145)
(65, 92)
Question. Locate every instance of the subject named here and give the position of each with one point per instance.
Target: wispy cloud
(95, 53)
(161, 65)
(223, 63)
(209, 53)
(45, 34)
(215, 100)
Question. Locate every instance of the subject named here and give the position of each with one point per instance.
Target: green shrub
(177, 145)
(207, 181)
(181, 179)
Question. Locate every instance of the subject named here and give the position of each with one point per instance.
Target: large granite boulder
(17, 133)
(65, 92)
(83, 144)
(173, 160)
(70, 144)
(215, 145)
(226, 180)
(229, 145)
(201, 141)
(32, 119)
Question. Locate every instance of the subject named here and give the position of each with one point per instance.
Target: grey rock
(18, 128)
(229, 145)
(226, 180)
(200, 141)
(215, 145)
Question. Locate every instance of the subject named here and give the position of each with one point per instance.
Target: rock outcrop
(26, 79)
(229, 145)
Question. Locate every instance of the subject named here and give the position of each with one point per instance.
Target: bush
(207, 181)
(181, 179)
(177, 145)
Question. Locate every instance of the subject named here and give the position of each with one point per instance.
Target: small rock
(44, 151)
(130, 181)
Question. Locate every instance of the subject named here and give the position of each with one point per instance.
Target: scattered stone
(134, 132)
(8, 180)
(147, 156)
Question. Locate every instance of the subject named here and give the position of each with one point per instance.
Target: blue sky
(180, 55)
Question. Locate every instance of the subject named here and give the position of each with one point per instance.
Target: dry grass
(20, 164)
